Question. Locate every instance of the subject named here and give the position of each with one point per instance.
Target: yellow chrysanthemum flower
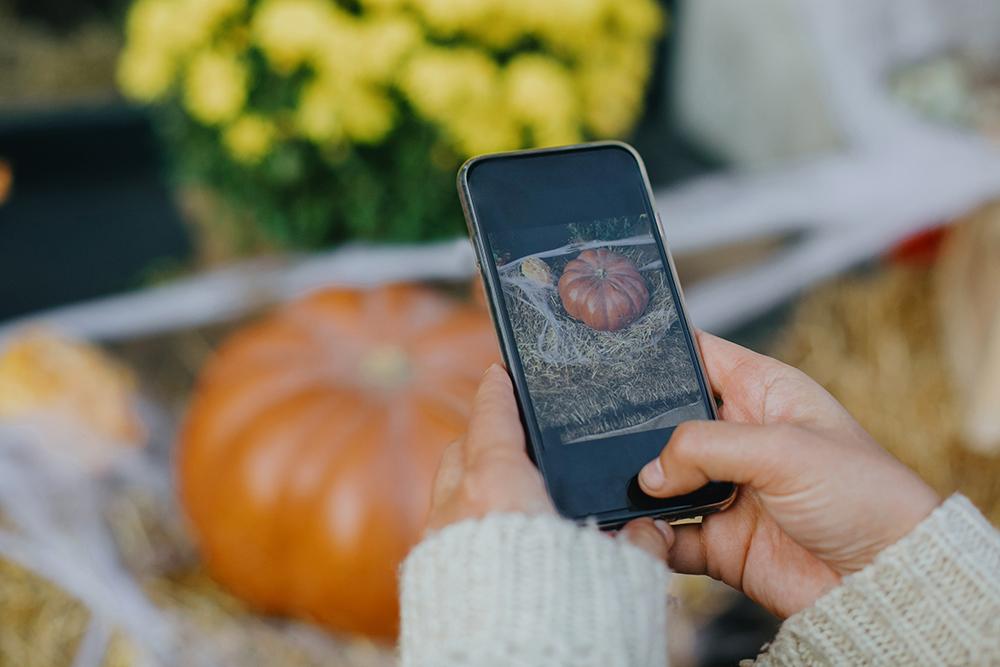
(448, 17)
(316, 116)
(484, 132)
(611, 101)
(340, 57)
(290, 32)
(445, 82)
(384, 43)
(540, 92)
(150, 24)
(367, 114)
(249, 138)
(556, 135)
(584, 76)
(197, 20)
(177, 26)
(640, 19)
(145, 74)
(568, 26)
(383, 5)
(215, 87)
(501, 28)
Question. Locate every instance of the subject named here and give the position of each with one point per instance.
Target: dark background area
(90, 211)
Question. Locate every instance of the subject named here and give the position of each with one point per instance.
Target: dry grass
(874, 342)
(42, 627)
(584, 381)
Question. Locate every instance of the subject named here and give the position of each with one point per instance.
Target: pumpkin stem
(385, 367)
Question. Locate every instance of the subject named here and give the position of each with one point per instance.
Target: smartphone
(591, 320)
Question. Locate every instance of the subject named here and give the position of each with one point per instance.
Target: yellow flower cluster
(249, 138)
(490, 74)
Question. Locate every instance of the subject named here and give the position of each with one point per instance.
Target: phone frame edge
(472, 225)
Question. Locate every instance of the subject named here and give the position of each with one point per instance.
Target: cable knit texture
(524, 591)
(933, 598)
(531, 591)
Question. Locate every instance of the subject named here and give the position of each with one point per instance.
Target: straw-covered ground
(585, 382)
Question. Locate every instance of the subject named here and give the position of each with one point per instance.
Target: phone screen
(596, 326)
(602, 355)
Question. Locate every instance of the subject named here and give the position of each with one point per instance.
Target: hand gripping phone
(586, 303)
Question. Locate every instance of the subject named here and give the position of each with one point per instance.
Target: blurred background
(238, 314)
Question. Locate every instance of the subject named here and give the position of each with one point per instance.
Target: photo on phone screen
(596, 326)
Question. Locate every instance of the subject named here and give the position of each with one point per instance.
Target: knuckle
(685, 439)
(645, 536)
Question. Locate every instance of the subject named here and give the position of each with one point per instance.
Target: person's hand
(818, 498)
(488, 470)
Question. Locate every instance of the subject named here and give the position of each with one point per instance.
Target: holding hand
(819, 499)
(489, 471)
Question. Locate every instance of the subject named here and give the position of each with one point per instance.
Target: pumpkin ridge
(315, 524)
(610, 320)
(308, 508)
(627, 294)
(316, 437)
(458, 325)
(226, 475)
(257, 386)
(637, 305)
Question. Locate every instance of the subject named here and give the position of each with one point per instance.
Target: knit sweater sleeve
(933, 598)
(531, 591)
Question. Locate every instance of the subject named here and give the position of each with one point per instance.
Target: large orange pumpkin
(307, 457)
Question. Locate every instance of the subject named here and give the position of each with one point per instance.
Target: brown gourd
(308, 453)
(603, 289)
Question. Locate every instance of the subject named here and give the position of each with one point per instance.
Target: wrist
(910, 510)
(931, 598)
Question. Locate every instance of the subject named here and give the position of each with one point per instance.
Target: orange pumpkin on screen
(603, 289)
(307, 457)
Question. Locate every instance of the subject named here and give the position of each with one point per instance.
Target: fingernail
(651, 475)
(663, 527)
(489, 369)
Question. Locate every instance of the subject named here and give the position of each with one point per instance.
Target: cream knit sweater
(524, 591)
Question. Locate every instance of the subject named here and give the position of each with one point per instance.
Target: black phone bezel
(720, 494)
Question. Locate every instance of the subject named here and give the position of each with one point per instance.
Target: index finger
(756, 389)
(732, 368)
(495, 424)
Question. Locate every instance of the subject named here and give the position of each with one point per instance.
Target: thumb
(704, 451)
(495, 424)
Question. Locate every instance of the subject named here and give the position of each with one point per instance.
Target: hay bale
(874, 342)
(968, 278)
(43, 626)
